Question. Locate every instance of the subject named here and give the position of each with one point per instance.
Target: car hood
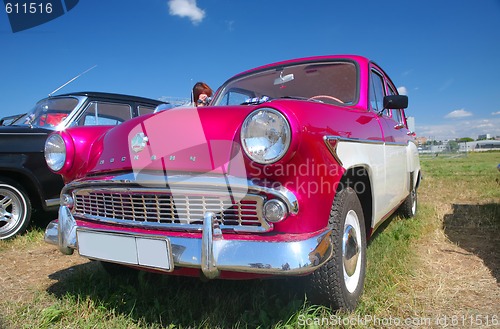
(204, 139)
(6, 130)
(16, 139)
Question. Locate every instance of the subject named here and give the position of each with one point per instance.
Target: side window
(236, 96)
(376, 91)
(101, 114)
(145, 109)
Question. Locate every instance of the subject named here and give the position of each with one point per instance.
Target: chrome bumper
(212, 253)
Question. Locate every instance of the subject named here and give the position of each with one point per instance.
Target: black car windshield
(328, 82)
(48, 113)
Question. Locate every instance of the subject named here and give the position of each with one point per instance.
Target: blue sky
(444, 53)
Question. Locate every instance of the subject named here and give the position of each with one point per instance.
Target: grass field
(457, 196)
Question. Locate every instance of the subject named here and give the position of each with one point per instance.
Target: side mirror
(396, 102)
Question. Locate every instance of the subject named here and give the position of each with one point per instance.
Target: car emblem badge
(138, 142)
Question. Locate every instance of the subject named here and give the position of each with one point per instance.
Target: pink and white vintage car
(287, 173)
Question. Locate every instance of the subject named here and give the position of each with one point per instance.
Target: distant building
(485, 136)
(421, 140)
(479, 146)
(466, 146)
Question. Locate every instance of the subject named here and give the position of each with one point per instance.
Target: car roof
(114, 96)
(312, 59)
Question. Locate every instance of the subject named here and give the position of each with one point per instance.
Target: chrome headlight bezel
(55, 152)
(265, 135)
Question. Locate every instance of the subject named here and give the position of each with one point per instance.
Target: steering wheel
(327, 97)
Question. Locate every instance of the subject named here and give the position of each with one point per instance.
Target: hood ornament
(138, 142)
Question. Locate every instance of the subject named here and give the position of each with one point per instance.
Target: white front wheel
(339, 282)
(15, 209)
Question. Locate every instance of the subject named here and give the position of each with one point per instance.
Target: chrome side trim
(364, 141)
(353, 140)
(395, 144)
(333, 149)
(52, 202)
(25, 134)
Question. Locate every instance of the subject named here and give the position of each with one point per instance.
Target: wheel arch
(359, 179)
(29, 185)
(419, 179)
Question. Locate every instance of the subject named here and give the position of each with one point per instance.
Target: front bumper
(212, 253)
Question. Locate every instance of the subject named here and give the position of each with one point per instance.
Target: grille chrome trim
(158, 208)
(208, 184)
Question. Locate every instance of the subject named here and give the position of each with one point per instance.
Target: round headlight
(55, 152)
(275, 210)
(265, 135)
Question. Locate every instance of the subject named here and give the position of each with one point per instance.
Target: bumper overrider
(212, 251)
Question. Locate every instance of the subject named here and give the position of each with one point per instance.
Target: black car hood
(18, 139)
(5, 130)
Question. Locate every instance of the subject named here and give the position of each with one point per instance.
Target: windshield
(48, 113)
(328, 82)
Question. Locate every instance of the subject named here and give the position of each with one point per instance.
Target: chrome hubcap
(9, 210)
(351, 251)
(414, 201)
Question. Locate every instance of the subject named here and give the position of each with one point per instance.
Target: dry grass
(443, 263)
(459, 260)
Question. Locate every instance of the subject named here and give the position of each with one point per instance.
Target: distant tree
(465, 139)
(453, 146)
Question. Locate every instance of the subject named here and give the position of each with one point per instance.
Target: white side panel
(387, 166)
(372, 157)
(397, 174)
(413, 161)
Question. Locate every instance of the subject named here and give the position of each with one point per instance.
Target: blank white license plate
(150, 252)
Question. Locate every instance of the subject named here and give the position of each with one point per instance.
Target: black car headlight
(55, 152)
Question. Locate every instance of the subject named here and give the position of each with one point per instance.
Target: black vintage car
(26, 182)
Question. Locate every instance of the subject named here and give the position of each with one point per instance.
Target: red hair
(201, 88)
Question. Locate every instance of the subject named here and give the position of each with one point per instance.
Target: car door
(395, 177)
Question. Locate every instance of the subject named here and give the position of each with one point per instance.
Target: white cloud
(483, 124)
(186, 8)
(457, 114)
(458, 129)
(402, 90)
(495, 113)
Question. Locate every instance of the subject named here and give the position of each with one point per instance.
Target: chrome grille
(163, 210)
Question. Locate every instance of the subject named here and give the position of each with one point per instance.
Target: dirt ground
(459, 274)
(23, 272)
